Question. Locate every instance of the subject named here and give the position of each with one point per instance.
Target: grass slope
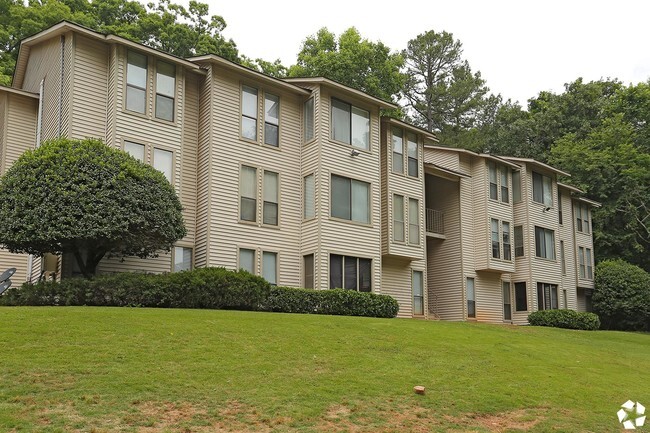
(149, 370)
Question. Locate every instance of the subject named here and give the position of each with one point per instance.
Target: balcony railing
(435, 222)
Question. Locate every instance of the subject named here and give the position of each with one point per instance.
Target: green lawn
(147, 370)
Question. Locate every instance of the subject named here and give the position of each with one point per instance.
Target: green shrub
(335, 302)
(622, 296)
(568, 319)
(213, 288)
(200, 288)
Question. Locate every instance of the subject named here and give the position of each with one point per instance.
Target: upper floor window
(562, 258)
(559, 206)
(271, 119)
(516, 186)
(249, 113)
(163, 160)
(496, 245)
(542, 189)
(398, 150)
(494, 188)
(544, 243)
(581, 211)
(505, 191)
(507, 247)
(350, 199)
(350, 124)
(248, 194)
(500, 231)
(136, 82)
(352, 273)
(412, 152)
(308, 114)
(309, 197)
(498, 179)
(398, 218)
(586, 267)
(414, 222)
(519, 241)
(271, 198)
(165, 90)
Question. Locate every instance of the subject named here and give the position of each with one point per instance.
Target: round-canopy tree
(85, 198)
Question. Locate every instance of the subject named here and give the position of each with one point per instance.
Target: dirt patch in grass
(516, 420)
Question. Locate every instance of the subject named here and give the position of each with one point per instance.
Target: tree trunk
(88, 266)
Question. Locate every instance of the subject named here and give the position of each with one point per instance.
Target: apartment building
(303, 182)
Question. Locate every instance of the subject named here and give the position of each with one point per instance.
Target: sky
(520, 47)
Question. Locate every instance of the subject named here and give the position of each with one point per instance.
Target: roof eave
(331, 83)
(424, 132)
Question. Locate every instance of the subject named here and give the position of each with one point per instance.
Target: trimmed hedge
(568, 319)
(209, 288)
(335, 302)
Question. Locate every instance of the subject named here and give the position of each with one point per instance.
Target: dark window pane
(413, 167)
(351, 273)
(309, 271)
(271, 134)
(135, 99)
(164, 108)
(248, 207)
(365, 268)
(270, 213)
(540, 296)
(521, 301)
(341, 205)
(336, 271)
(340, 121)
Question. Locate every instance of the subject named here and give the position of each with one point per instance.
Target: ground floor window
(521, 298)
(182, 259)
(352, 273)
(418, 293)
(547, 296)
(507, 304)
(308, 282)
(471, 298)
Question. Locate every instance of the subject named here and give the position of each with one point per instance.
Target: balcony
(435, 223)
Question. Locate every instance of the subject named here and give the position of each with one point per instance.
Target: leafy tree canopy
(85, 198)
(351, 60)
(166, 26)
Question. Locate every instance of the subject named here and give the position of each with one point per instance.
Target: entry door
(507, 306)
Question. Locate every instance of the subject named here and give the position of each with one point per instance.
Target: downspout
(39, 122)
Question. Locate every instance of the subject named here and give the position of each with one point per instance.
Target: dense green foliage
(182, 31)
(209, 288)
(351, 60)
(175, 370)
(568, 319)
(88, 199)
(622, 296)
(335, 302)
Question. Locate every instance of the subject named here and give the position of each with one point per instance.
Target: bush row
(210, 288)
(568, 319)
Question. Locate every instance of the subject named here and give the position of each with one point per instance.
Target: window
(507, 248)
(516, 186)
(521, 298)
(308, 261)
(471, 298)
(586, 266)
(418, 293)
(249, 113)
(248, 194)
(562, 258)
(351, 273)
(581, 211)
(308, 114)
(398, 151)
(547, 296)
(412, 151)
(496, 246)
(542, 192)
(135, 150)
(590, 266)
(398, 218)
(165, 90)
(136, 82)
(544, 243)
(519, 241)
(163, 161)
(581, 261)
(350, 199)
(414, 222)
(565, 299)
(182, 259)
(559, 206)
(505, 192)
(350, 124)
(270, 267)
(247, 260)
(271, 198)
(494, 188)
(309, 197)
(507, 307)
(271, 119)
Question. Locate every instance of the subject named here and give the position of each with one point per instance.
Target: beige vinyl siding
(157, 265)
(204, 181)
(45, 63)
(89, 116)
(503, 212)
(346, 237)
(188, 157)
(397, 282)
(566, 231)
(386, 201)
(489, 297)
(111, 95)
(449, 159)
(523, 272)
(481, 218)
(68, 54)
(17, 134)
(444, 256)
(228, 152)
